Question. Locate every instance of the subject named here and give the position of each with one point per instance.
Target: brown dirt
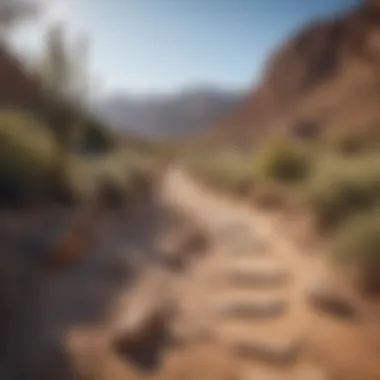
(332, 349)
(80, 308)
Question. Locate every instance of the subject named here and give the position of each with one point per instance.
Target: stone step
(305, 372)
(237, 237)
(258, 307)
(323, 296)
(258, 275)
(268, 349)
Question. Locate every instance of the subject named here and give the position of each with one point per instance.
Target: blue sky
(141, 46)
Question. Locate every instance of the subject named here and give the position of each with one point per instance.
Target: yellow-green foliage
(342, 187)
(31, 160)
(28, 154)
(117, 177)
(26, 144)
(357, 245)
(283, 161)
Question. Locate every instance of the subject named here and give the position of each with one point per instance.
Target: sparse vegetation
(283, 161)
(27, 156)
(357, 246)
(343, 187)
(31, 169)
(337, 182)
(238, 173)
(59, 151)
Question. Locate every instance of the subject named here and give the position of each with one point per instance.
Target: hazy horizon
(163, 46)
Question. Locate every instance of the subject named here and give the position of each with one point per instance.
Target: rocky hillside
(167, 116)
(17, 87)
(326, 76)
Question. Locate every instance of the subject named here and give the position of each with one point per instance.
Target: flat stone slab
(239, 238)
(305, 373)
(247, 247)
(264, 307)
(270, 350)
(233, 227)
(324, 298)
(270, 275)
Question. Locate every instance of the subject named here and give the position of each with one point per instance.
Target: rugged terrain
(240, 302)
(325, 76)
(175, 116)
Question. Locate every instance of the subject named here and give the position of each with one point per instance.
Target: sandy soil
(241, 309)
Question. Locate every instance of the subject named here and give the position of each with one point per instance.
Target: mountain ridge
(327, 73)
(177, 115)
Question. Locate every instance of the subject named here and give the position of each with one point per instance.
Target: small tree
(63, 71)
(63, 74)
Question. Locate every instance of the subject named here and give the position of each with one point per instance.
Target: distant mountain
(173, 116)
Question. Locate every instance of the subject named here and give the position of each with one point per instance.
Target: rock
(172, 260)
(325, 298)
(239, 238)
(234, 228)
(178, 251)
(143, 336)
(195, 243)
(256, 276)
(91, 356)
(271, 350)
(261, 375)
(142, 330)
(254, 308)
(194, 331)
(306, 373)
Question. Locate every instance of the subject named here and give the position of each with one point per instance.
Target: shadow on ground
(39, 306)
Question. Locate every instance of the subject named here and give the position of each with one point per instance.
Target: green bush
(342, 188)
(96, 138)
(357, 246)
(283, 162)
(28, 154)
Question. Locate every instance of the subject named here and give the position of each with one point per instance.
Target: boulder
(324, 296)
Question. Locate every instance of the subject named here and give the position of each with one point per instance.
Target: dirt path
(45, 306)
(243, 310)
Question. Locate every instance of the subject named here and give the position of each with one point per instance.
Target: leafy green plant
(28, 154)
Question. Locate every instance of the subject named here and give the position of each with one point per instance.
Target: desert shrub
(351, 144)
(357, 246)
(283, 162)
(27, 156)
(342, 188)
(126, 178)
(115, 178)
(96, 138)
